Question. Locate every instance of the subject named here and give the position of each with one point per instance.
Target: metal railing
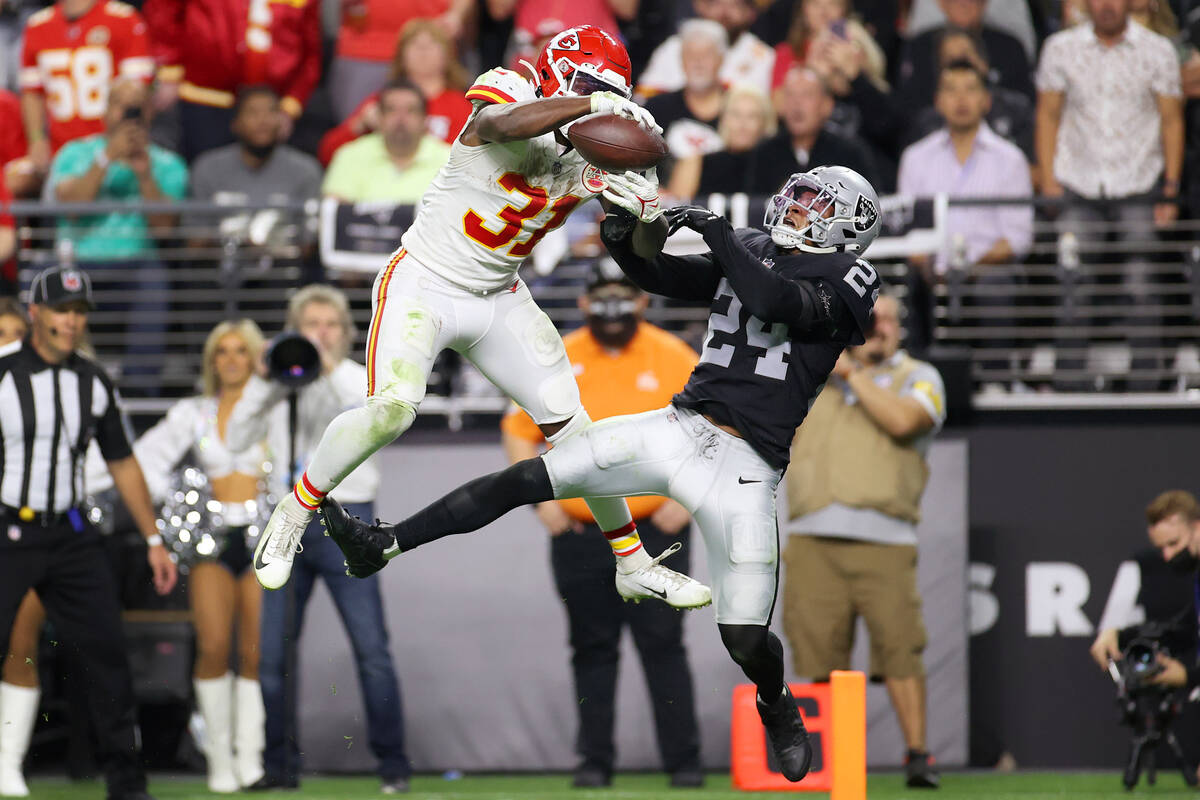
(1090, 317)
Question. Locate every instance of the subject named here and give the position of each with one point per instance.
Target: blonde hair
(455, 75)
(251, 334)
(1168, 504)
(335, 298)
(740, 90)
(11, 307)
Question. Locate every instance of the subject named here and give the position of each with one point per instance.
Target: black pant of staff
(583, 574)
(61, 557)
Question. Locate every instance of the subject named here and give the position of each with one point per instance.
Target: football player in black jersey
(784, 304)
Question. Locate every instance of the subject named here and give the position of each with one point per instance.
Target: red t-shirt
(447, 113)
(370, 28)
(7, 268)
(73, 63)
(531, 15)
(12, 130)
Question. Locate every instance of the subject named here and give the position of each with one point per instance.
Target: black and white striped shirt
(48, 415)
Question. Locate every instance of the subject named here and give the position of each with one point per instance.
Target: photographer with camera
(327, 382)
(1153, 661)
(1174, 530)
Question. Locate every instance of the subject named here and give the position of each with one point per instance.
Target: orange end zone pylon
(835, 714)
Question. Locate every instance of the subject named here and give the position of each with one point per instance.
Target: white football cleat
(279, 543)
(656, 581)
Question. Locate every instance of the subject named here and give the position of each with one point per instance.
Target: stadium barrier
(1105, 314)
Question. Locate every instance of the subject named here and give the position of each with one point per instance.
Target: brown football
(616, 144)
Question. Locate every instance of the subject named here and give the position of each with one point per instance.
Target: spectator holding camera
(321, 314)
(122, 164)
(1173, 527)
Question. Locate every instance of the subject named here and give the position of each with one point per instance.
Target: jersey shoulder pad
(857, 282)
(115, 8)
(500, 85)
(41, 17)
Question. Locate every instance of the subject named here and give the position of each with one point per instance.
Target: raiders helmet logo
(865, 214)
(71, 280)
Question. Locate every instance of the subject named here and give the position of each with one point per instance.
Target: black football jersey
(762, 378)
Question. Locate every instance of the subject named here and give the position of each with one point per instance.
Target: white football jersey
(490, 205)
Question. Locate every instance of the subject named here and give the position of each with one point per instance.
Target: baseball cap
(604, 272)
(57, 285)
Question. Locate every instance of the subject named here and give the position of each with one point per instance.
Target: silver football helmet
(841, 209)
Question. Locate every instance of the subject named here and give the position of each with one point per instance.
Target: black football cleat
(789, 738)
(919, 772)
(362, 543)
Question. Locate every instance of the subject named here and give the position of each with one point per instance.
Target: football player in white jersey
(511, 177)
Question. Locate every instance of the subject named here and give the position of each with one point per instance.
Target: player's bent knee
(578, 421)
(743, 642)
(390, 417)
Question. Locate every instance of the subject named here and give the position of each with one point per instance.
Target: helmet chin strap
(532, 71)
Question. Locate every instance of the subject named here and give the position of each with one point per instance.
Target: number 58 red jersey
(490, 205)
(73, 62)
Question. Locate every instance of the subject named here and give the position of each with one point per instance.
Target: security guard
(53, 401)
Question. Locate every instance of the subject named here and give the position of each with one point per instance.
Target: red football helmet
(583, 60)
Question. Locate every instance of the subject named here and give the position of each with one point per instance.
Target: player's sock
(475, 504)
(349, 440)
(760, 655)
(308, 496)
(612, 515)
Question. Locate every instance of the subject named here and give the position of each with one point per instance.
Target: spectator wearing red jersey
(208, 49)
(424, 57)
(73, 52)
(17, 171)
(8, 245)
(535, 20)
(364, 61)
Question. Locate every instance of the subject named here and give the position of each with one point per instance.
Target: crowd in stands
(1074, 99)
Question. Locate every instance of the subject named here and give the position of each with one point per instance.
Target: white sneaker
(654, 580)
(18, 714)
(279, 543)
(12, 783)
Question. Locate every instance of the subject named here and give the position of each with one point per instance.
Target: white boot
(214, 697)
(249, 736)
(18, 713)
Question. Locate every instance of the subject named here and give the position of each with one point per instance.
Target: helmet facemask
(819, 205)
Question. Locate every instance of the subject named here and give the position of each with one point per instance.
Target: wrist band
(154, 541)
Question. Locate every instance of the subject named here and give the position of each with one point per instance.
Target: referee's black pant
(72, 578)
(583, 574)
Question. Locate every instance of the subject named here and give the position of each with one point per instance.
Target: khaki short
(830, 583)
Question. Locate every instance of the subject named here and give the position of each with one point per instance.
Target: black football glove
(695, 217)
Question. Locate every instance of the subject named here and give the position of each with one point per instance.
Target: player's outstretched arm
(637, 248)
(801, 305)
(511, 122)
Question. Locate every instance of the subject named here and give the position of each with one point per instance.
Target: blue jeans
(360, 606)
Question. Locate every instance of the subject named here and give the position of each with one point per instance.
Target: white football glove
(612, 103)
(636, 194)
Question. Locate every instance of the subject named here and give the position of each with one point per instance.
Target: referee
(52, 402)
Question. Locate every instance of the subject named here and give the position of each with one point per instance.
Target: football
(616, 144)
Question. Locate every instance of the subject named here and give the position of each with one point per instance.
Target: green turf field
(967, 786)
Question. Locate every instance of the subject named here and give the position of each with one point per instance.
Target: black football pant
(71, 575)
(583, 573)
